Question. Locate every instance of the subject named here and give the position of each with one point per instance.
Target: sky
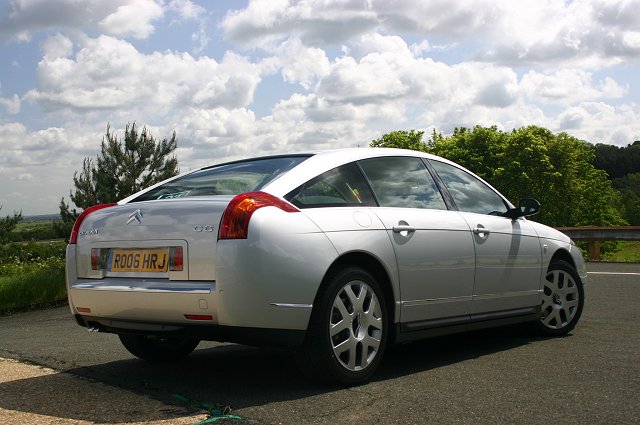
(236, 79)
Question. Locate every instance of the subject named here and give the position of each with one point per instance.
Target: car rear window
(226, 179)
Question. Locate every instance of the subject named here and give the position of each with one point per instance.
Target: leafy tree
(122, 168)
(7, 224)
(617, 161)
(401, 139)
(629, 188)
(532, 162)
(68, 216)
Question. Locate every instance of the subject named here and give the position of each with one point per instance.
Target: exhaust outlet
(93, 327)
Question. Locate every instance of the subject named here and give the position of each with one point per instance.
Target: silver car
(336, 254)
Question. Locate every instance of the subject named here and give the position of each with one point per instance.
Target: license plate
(138, 260)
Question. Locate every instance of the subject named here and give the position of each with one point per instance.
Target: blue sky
(237, 79)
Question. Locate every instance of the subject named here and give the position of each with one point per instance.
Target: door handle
(481, 231)
(403, 228)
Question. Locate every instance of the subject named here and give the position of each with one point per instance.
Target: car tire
(348, 329)
(562, 300)
(158, 349)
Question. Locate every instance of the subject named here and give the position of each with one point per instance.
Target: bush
(31, 274)
(30, 252)
(22, 291)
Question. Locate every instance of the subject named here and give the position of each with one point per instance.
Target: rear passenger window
(343, 186)
(402, 182)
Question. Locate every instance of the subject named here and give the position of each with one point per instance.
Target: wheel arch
(562, 255)
(374, 266)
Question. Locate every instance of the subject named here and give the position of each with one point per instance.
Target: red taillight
(235, 220)
(76, 226)
(95, 258)
(176, 258)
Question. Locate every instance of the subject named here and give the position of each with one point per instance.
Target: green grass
(28, 290)
(628, 252)
(31, 275)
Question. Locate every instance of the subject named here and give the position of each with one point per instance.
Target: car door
(433, 246)
(508, 254)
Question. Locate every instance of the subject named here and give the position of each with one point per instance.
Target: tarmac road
(502, 376)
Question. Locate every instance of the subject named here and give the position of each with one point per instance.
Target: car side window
(469, 193)
(343, 186)
(402, 182)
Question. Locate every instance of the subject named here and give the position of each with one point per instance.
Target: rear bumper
(157, 305)
(147, 301)
(243, 335)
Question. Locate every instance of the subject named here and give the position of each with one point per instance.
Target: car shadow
(241, 376)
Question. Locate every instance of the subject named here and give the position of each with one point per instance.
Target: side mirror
(525, 208)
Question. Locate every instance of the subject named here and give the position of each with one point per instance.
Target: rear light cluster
(176, 259)
(73, 239)
(100, 258)
(235, 220)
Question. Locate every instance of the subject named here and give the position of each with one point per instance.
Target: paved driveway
(500, 376)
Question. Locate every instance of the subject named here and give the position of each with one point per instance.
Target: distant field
(38, 228)
(40, 218)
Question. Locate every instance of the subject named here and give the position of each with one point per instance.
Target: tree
(122, 168)
(401, 139)
(617, 161)
(68, 216)
(7, 224)
(531, 162)
(629, 188)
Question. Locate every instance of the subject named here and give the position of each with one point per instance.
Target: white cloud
(580, 33)
(109, 73)
(57, 46)
(11, 105)
(186, 9)
(631, 40)
(593, 33)
(315, 23)
(568, 86)
(26, 17)
(23, 177)
(22, 147)
(598, 122)
(133, 18)
(300, 64)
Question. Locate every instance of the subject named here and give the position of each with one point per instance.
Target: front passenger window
(469, 193)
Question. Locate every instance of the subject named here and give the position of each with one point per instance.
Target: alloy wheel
(356, 325)
(560, 299)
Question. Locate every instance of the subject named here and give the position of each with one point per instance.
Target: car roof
(317, 163)
(322, 161)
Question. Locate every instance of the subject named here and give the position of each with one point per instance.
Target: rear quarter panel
(282, 262)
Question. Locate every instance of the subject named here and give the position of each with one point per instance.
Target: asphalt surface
(500, 376)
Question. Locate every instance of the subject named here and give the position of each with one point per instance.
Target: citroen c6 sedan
(336, 254)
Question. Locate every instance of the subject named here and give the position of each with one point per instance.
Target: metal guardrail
(596, 234)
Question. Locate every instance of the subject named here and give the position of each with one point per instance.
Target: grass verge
(31, 275)
(32, 289)
(627, 252)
